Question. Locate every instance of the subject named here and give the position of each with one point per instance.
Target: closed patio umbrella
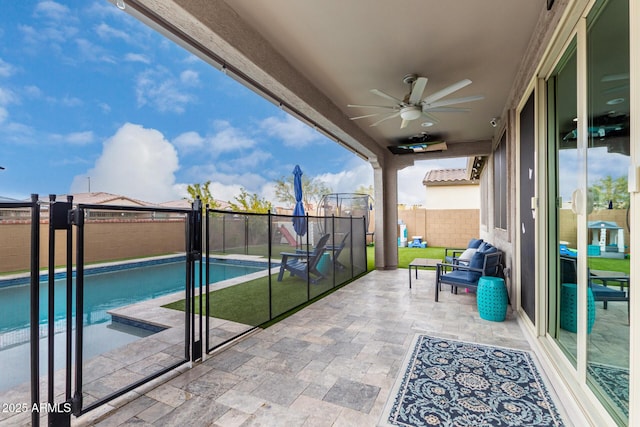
(299, 219)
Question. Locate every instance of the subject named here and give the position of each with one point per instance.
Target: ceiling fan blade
(433, 119)
(404, 124)
(446, 91)
(362, 117)
(386, 107)
(418, 90)
(386, 96)
(390, 116)
(615, 77)
(452, 101)
(447, 110)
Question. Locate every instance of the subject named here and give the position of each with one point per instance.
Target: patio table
(610, 276)
(422, 263)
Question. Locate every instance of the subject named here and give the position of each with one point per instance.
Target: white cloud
(290, 130)
(73, 138)
(135, 162)
(106, 108)
(6, 69)
(71, 101)
(247, 161)
(52, 10)
(92, 52)
(106, 32)
(357, 173)
(6, 96)
(137, 57)
(190, 78)
(228, 139)
(80, 138)
(33, 91)
(188, 141)
(161, 90)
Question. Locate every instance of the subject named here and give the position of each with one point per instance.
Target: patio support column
(385, 184)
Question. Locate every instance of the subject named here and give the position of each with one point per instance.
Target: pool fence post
(35, 302)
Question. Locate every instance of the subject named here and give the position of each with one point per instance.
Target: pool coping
(60, 273)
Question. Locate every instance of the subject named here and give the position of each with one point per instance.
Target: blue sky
(89, 94)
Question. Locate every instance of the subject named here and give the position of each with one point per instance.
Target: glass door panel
(608, 159)
(564, 180)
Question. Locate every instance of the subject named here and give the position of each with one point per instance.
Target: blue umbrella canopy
(299, 220)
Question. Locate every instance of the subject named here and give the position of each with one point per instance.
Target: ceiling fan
(414, 106)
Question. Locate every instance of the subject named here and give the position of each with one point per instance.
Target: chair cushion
(460, 277)
(474, 243)
(602, 293)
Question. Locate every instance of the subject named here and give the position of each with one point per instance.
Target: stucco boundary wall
(449, 228)
(104, 241)
(568, 230)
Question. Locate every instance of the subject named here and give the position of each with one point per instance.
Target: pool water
(106, 291)
(103, 292)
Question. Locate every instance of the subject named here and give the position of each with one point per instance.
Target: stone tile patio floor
(330, 364)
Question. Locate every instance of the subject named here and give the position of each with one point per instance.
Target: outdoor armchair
(451, 255)
(304, 264)
(483, 263)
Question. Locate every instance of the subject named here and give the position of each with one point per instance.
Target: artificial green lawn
(248, 302)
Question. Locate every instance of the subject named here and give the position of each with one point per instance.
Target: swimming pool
(108, 288)
(105, 288)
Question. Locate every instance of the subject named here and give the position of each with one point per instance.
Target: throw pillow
(467, 254)
(474, 243)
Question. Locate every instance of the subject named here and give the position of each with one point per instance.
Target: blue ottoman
(569, 308)
(492, 298)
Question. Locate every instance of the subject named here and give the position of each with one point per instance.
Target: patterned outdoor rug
(454, 383)
(614, 381)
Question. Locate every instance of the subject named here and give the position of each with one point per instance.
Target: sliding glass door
(564, 178)
(588, 136)
(608, 223)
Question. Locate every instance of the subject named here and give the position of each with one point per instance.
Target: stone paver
(330, 364)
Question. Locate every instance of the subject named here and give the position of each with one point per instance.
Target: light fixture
(410, 113)
(615, 101)
(120, 4)
(426, 124)
(494, 122)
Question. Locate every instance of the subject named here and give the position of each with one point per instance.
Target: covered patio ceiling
(314, 58)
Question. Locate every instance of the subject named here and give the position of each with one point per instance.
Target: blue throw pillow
(488, 249)
(474, 243)
(477, 260)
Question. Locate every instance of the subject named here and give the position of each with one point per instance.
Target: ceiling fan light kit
(410, 113)
(414, 106)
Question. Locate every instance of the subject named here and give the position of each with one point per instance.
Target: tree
(365, 190)
(245, 202)
(612, 190)
(202, 191)
(312, 190)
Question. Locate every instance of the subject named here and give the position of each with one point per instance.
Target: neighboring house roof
(186, 204)
(7, 199)
(102, 198)
(448, 177)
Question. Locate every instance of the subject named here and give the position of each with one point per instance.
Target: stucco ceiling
(341, 49)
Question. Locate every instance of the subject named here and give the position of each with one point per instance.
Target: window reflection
(608, 158)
